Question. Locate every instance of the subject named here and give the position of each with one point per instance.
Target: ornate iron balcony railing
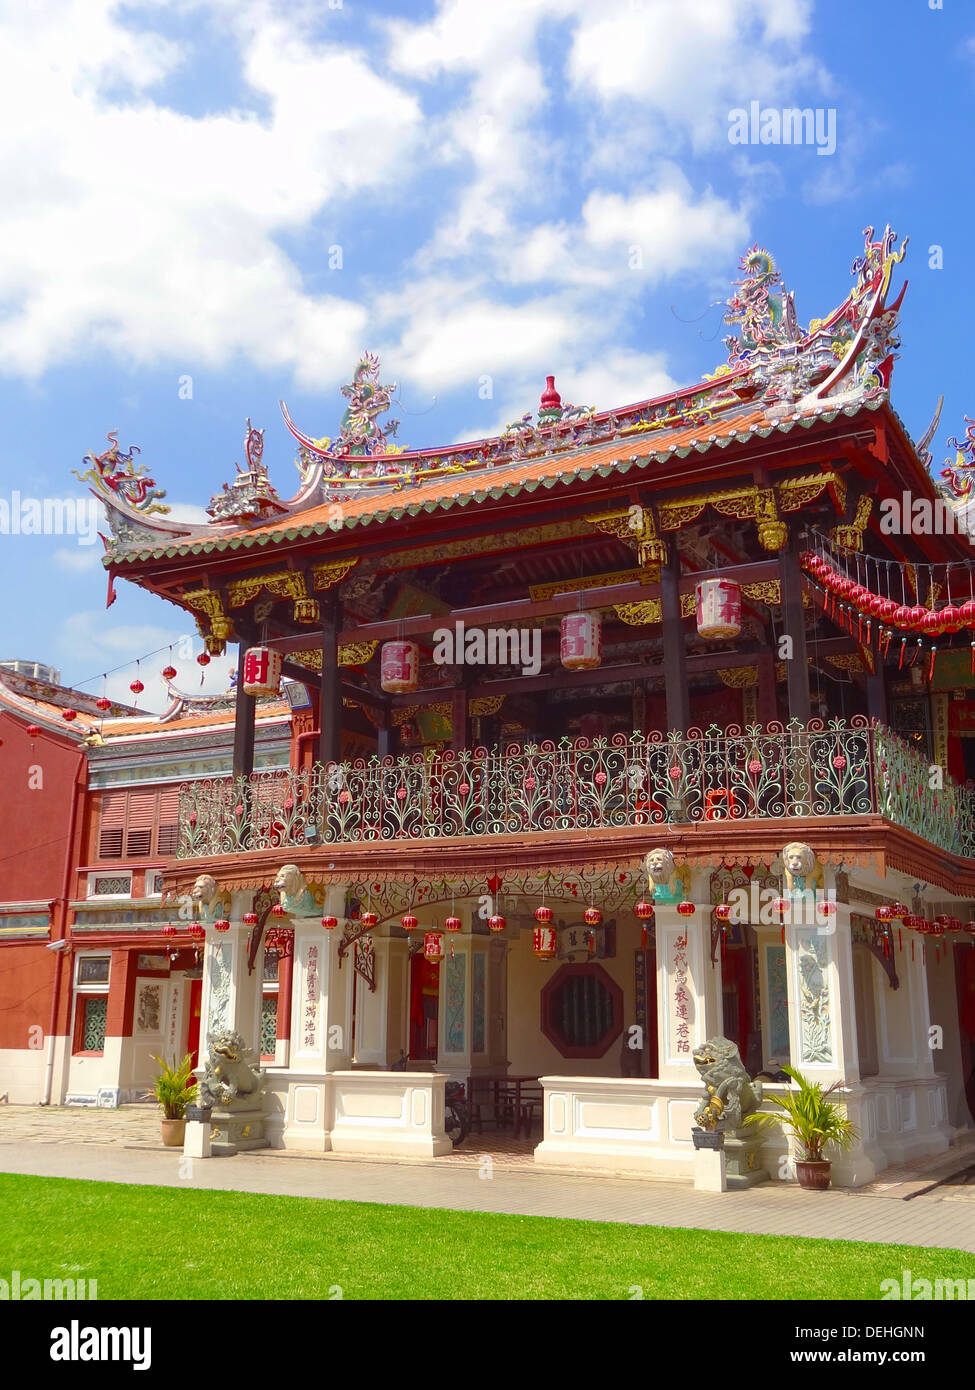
(817, 769)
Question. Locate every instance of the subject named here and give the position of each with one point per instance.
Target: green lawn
(164, 1242)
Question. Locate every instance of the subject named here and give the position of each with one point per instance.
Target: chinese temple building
(625, 730)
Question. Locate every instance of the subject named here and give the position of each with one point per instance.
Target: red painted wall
(34, 823)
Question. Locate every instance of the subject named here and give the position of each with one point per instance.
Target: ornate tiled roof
(777, 375)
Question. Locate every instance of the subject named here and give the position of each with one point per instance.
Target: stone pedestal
(236, 1129)
(742, 1148)
(710, 1170)
(196, 1140)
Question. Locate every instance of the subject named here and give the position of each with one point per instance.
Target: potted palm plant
(174, 1089)
(815, 1123)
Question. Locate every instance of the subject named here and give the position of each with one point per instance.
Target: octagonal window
(582, 1010)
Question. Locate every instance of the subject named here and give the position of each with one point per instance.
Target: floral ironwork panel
(777, 1003)
(96, 1016)
(269, 1024)
(752, 771)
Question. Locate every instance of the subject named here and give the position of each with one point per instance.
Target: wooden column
(330, 728)
(675, 651)
(767, 708)
(794, 623)
(386, 738)
(245, 708)
(877, 692)
(458, 714)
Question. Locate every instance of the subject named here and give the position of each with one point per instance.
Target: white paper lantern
(262, 671)
(399, 667)
(582, 641)
(718, 609)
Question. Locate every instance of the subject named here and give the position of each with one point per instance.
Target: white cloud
(83, 559)
(129, 226)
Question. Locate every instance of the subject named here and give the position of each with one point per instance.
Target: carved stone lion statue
(206, 896)
(296, 896)
(661, 869)
(228, 1074)
(729, 1092)
(798, 861)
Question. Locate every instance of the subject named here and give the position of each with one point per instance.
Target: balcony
(819, 770)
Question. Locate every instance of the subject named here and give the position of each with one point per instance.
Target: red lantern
(369, 919)
(221, 925)
(168, 673)
(592, 916)
(932, 624)
(718, 609)
(408, 922)
(399, 667)
(496, 923)
(196, 931)
(643, 911)
(203, 659)
(781, 907)
(942, 919)
(544, 942)
(103, 702)
(249, 919)
(916, 923)
(582, 641)
(685, 908)
(33, 730)
(330, 922)
(884, 914)
(723, 912)
(543, 914)
(262, 671)
(887, 609)
(69, 714)
(433, 946)
(900, 911)
(169, 930)
(136, 687)
(916, 616)
(279, 910)
(826, 908)
(452, 924)
(951, 618)
(967, 613)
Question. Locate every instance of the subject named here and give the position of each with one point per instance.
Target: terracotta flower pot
(813, 1172)
(173, 1133)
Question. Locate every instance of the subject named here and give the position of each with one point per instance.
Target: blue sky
(176, 173)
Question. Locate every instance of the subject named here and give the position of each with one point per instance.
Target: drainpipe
(60, 925)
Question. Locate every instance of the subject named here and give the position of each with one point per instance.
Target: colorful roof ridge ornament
(250, 495)
(115, 477)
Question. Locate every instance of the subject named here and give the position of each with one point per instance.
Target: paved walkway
(123, 1146)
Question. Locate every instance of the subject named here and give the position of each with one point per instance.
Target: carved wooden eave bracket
(637, 525)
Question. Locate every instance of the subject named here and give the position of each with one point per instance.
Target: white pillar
(380, 1015)
(688, 989)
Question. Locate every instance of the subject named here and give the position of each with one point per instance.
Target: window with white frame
(154, 883)
(109, 885)
(91, 1003)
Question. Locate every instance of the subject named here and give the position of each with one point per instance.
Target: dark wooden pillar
(877, 692)
(285, 972)
(675, 650)
(245, 707)
(330, 729)
(386, 734)
(458, 714)
(794, 624)
(767, 706)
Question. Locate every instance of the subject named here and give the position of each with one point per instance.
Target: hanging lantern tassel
(912, 952)
(900, 659)
(973, 658)
(934, 653)
(782, 934)
(900, 940)
(644, 936)
(592, 942)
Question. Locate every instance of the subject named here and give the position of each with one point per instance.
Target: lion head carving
(290, 881)
(660, 865)
(205, 890)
